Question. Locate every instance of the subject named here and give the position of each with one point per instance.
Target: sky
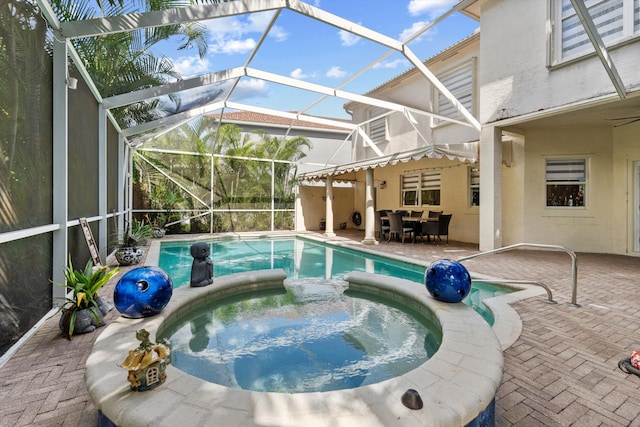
(309, 50)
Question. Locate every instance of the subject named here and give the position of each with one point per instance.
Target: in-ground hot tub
(316, 336)
(457, 384)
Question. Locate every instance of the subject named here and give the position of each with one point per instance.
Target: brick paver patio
(562, 371)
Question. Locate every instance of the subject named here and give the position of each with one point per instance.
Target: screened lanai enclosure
(100, 121)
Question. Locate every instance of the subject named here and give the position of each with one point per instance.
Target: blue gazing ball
(143, 292)
(447, 280)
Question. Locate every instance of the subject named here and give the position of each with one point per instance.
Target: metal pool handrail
(549, 300)
(572, 254)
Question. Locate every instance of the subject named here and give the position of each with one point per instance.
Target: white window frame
(416, 183)
(378, 128)
(617, 21)
(474, 185)
(560, 175)
(461, 82)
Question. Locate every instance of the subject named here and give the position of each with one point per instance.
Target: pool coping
(457, 383)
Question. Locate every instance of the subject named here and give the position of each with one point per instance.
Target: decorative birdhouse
(147, 363)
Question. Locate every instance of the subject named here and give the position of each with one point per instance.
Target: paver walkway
(562, 371)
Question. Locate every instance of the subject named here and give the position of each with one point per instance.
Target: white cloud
(347, 38)
(278, 33)
(431, 8)
(250, 88)
(392, 64)
(258, 22)
(231, 46)
(236, 34)
(406, 33)
(189, 66)
(336, 72)
(300, 75)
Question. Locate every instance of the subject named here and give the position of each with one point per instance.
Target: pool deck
(562, 371)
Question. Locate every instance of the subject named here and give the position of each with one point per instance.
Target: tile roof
(261, 118)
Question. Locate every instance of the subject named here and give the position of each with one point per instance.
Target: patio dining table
(416, 223)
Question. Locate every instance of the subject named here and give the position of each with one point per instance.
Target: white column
(123, 153)
(299, 217)
(329, 208)
(60, 164)
(102, 181)
(490, 188)
(369, 214)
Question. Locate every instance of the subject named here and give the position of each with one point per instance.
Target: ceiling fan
(630, 119)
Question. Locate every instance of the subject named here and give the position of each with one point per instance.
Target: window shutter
(378, 127)
(607, 17)
(431, 181)
(460, 84)
(474, 177)
(565, 171)
(410, 182)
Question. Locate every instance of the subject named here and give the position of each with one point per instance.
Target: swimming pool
(462, 376)
(302, 258)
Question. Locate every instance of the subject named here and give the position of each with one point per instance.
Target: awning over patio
(465, 152)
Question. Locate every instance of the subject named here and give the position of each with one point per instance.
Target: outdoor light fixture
(383, 185)
(72, 83)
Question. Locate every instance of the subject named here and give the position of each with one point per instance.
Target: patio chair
(381, 226)
(397, 228)
(437, 229)
(434, 214)
(416, 214)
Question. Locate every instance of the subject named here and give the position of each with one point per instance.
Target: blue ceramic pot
(129, 255)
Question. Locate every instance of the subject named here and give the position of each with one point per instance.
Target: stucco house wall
(454, 195)
(518, 77)
(539, 104)
(513, 190)
(413, 89)
(516, 74)
(626, 188)
(582, 229)
(310, 207)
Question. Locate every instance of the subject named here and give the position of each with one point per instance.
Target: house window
(421, 189)
(410, 189)
(615, 21)
(460, 83)
(474, 185)
(566, 182)
(378, 126)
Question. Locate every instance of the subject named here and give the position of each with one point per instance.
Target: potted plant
(141, 231)
(83, 310)
(157, 226)
(129, 251)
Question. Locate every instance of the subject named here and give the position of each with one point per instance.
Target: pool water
(303, 259)
(313, 337)
(298, 257)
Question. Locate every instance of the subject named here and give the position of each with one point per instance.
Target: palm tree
(238, 181)
(123, 62)
(290, 151)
